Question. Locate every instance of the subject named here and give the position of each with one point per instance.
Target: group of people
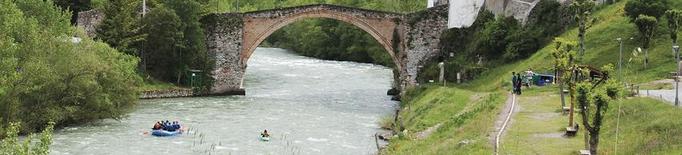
(517, 82)
(166, 125)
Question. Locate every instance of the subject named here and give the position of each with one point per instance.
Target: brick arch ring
(257, 29)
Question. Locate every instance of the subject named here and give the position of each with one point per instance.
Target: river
(309, 106)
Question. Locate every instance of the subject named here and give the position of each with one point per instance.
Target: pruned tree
(583, 12)
(564, 62)
(647, 29)
(674, 20)
(654, 8)
(594, 95)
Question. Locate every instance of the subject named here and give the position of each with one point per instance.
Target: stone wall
(171, 93)
(89, 20)
(422, 38)
(224, 37)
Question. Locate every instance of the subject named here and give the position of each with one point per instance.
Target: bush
(11, 144)
(49, 76)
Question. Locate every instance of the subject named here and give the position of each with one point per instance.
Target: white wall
(463, 13)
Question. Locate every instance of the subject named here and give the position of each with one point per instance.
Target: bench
(571, 131)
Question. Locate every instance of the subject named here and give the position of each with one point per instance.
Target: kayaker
(265, 134)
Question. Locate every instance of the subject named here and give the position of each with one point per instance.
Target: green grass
(647, 126)
(538, 126)
(466, 117)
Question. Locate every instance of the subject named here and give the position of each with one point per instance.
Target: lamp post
(677, 81)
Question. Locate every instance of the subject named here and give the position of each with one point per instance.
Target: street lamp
(677, 80)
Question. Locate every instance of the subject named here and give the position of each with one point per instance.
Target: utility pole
(677, 80)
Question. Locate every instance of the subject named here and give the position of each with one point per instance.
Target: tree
(75, 6)
(193, 52)
(594, 96)
(48, 77)
(12, 145)
(674, 20)
(565, 63)
(647, 29)
(163, 43)
(583, 11)
(654, 8)
(564, 57)
(120, 26)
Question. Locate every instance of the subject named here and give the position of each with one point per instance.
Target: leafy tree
(494, 37)
(74, 6)
(583, 12)
(674, 21)
(163, 45)
(594, 96)
(521, 44)
(566, 66)
(11, 145)
(193, 52)
(50, 77)
(120, 26)
(647, 29)
(654, 8)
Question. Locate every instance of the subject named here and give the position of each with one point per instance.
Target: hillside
(644, 127)
(601, 48)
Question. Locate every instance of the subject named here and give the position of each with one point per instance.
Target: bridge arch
(259, 25)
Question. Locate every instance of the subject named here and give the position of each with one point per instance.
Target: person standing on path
(513, 82)
(518, 83)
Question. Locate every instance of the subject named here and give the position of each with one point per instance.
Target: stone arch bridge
(410, 39)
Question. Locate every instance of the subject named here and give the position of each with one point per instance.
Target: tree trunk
(571, 89)
(646, 57)
(179, 77)
(581, 35)
(594, 142)
(561, 90)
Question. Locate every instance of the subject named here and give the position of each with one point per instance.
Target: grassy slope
(601, 49)
(466, 119)
(647, 126)
(435, 105)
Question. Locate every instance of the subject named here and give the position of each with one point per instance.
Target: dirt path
(503, 118)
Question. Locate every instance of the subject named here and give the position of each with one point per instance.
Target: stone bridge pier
(410, 39)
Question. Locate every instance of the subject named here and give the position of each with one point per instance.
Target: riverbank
(445, 120)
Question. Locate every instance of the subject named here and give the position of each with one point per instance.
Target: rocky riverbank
(168, 93)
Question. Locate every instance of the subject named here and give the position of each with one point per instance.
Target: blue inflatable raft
(164, 133)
